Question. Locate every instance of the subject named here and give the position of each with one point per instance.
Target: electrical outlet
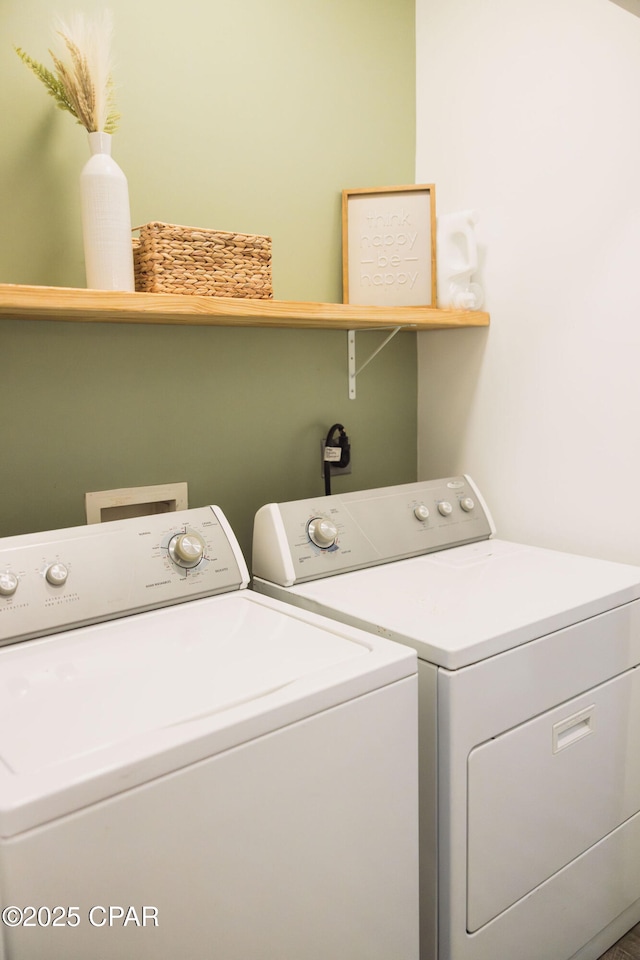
(334, 470)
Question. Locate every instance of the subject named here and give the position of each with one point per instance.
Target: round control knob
(322, 532)
(445, 508)
(186, 549)
(467, 504)
(8, 584)
(56, 574)
(421, 512)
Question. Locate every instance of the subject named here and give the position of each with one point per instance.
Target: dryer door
(544, 792)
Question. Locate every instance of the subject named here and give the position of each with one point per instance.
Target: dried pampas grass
(82, 82)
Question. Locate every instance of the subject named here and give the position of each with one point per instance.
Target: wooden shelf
(100, 306)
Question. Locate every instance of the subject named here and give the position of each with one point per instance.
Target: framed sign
(389, 246)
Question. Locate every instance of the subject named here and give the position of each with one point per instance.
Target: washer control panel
(65, 578)
(306, 539)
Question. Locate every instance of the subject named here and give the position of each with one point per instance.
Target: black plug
(345, 447)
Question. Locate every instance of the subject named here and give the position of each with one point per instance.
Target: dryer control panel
(59, 579)
(318, 537)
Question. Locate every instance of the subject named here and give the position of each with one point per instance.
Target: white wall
(529, 113)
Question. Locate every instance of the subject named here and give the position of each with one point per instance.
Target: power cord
(336, 452)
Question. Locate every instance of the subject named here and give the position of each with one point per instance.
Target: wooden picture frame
(389, 246)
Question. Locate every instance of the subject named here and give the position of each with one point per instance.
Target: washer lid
(464, 604)
(139, 696)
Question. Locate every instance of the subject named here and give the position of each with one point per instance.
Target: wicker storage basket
(173, 259)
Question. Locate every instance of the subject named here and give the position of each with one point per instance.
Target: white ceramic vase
(106, 219)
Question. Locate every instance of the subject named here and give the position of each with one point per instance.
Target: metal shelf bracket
(351, 354)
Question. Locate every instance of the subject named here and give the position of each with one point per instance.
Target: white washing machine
(529, 708)
(190, 769)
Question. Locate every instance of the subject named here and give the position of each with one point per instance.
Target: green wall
(248, 116)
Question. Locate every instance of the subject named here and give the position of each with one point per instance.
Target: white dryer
(529, 708)
(190, 769)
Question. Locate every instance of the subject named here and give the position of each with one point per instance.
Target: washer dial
(322, 532)
(56, 574)
(8, 584)
(421, 512)
(467, 504)
(445, 508)
(186, 549)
